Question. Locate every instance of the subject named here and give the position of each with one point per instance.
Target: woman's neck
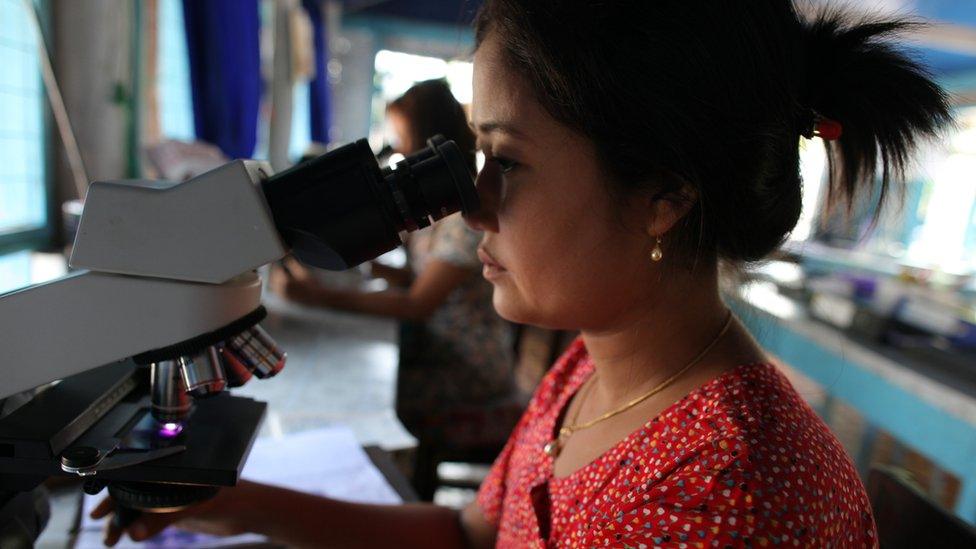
(655, 340)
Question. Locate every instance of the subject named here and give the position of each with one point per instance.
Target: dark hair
(430, 109)
(716, 95)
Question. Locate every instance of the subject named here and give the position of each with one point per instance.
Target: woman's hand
(395, 276)
(216, 516)
(294, 282)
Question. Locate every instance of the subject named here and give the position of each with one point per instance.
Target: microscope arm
(164, 262)
(208, 229)
(89, 319)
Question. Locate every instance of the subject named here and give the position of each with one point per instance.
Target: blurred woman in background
(454, 349)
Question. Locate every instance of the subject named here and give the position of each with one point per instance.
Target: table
(383, 461)
(918, 404)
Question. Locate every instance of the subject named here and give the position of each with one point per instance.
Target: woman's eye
(505, 164)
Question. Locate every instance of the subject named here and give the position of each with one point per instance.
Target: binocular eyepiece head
(340, 209)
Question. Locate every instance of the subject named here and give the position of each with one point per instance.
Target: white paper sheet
(328, 462)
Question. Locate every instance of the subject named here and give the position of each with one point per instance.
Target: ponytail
(885, 101)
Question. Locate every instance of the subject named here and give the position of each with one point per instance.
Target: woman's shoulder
(752, 421)
(748, 457)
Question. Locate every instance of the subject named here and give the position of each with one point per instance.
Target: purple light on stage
(170, 430)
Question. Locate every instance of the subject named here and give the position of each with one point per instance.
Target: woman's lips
(492, 268)
(488, 259)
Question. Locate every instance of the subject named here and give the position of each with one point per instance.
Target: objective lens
(203, 375)
(170, 402)
(238, 373)
(256, 351)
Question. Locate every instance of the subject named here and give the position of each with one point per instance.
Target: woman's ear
(666, 209)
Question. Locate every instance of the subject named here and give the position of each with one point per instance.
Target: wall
(360, 38)
(92, 46)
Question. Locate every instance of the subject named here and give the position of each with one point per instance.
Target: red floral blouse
(742, 461)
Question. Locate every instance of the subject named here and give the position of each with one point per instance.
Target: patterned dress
(742, 461)
(462, 354)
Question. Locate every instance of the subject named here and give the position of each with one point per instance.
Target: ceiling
(451, 12)
(947, 46)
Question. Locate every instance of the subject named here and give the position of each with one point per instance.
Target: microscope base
(218, 433)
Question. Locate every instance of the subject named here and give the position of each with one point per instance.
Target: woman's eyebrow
(491, 126)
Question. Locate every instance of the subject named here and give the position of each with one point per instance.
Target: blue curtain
(223, 43)
(319, 94)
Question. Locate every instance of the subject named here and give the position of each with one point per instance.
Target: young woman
(631, 147)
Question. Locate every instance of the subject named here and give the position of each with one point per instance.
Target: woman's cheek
(536, 291)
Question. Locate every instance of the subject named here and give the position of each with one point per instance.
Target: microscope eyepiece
(340, 209)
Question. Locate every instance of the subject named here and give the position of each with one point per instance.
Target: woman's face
(399, 126)
(554, 246)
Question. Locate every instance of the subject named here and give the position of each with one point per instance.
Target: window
(943, 237)
(14, 270)
(301, 122)
(173, 78)
(23, 268)
(397, 71)
(23, 193)
(23, 173)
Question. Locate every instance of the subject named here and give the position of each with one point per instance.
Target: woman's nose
(488, 184)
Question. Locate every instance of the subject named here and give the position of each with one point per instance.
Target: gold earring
(657, 254)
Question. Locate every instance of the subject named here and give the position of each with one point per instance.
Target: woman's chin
(510, 306)
(506, 306)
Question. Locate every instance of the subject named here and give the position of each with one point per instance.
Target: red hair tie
(827, 129)
(820, 126)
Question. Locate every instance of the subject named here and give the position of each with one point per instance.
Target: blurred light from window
(398, 71)
(173, 74)
(813, 164)
(21, 269)
(301, 122)
(460, 75)
(14, 270)
(941, 238)
(23, 196)
(394, 158)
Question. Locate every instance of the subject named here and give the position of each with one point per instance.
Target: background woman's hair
(716, 94)
(430, 109)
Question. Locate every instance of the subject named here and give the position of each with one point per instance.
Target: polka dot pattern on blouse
(742, 461)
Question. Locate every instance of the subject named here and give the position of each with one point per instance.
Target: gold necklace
(555, 446)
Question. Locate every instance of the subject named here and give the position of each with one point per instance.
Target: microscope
(127, 361)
